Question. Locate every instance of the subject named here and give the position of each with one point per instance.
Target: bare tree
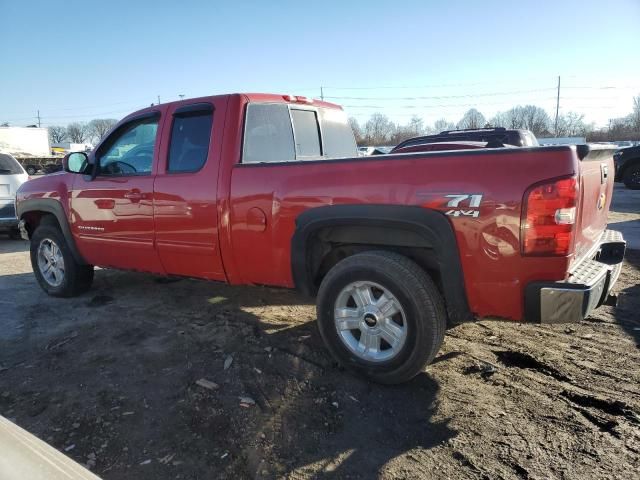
(500, 119)
(57, 134)
(5, 124)
(77, 132)
(535, 119)
(379, 129)
(416, 126)
(572, 124)
(442, 125)
(634, 118)
(357, 131)
(99, 127)
(531, 117)
(402, 133)
(472, 119)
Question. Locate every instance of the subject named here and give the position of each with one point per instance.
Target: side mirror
(76, 162)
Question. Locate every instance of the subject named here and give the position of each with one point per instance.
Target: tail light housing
(297, 99)
(549, 217)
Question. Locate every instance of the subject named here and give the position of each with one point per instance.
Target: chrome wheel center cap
(371, 320)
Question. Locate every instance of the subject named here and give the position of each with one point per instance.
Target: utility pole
(38, 118)
(557, 107)
(158, 99)
(321, 94)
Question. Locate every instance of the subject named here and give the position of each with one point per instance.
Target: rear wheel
(31, 170)
(381, 315)
(632, 177)
(53, 264)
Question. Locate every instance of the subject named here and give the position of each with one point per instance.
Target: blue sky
(77, 60)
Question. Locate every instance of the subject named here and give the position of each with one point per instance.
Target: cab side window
(130, 149)
(306, 133)
(267, 135)
(190, 138)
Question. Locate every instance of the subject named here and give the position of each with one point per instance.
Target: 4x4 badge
(474, 201)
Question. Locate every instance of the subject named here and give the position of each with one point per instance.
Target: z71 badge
(464, 205)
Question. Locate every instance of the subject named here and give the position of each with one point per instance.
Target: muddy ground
(110, 379)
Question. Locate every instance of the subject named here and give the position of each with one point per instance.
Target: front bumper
(8, 214)
(588, 286)
(8, 222)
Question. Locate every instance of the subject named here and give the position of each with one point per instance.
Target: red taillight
(548, 219)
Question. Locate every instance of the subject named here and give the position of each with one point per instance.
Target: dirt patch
(113, 379)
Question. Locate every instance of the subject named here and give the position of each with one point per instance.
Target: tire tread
(409, 274)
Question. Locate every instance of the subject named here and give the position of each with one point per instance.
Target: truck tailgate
(596, 174)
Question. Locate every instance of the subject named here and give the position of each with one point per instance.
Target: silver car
(12, 175)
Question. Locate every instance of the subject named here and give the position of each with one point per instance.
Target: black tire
(417, 294)
(632, 177)
(31, 170)
(77, 278)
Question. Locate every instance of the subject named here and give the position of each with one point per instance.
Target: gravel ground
(113, 379)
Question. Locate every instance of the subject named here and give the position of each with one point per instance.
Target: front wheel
(632, 177)
(381, 315)
(53, 264)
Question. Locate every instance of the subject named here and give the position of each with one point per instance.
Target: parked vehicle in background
(269, 190)
(12, 175)
(52, 168)
(627, 162)
(32, 168)
(516, 137)
(364, 151)
(442, 146)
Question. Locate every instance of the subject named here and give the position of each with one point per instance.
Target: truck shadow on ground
(114, 373)
(7, 245)
(627, 312)
(624, 200)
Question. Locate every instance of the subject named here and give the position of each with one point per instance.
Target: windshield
(529, 139)
(9, 165)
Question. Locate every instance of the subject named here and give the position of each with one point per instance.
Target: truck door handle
(133, 195)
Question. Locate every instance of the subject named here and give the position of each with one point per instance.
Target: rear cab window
(190, 138)
(9, 165)
(280, 132)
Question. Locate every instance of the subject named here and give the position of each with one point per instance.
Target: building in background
(25, 141)
(62, 148)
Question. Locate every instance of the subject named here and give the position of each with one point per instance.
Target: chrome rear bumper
(588, 286)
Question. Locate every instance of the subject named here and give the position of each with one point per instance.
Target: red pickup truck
(269, 190)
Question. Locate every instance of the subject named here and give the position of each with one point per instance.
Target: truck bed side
(495, 273)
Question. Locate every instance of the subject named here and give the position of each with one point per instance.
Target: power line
(439, 97)
(443, 105)
(443, 85)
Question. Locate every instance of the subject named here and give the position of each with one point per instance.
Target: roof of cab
(249, 97)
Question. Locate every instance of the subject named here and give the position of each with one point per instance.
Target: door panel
(185, 191)
(111, 228)
(112, 214)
